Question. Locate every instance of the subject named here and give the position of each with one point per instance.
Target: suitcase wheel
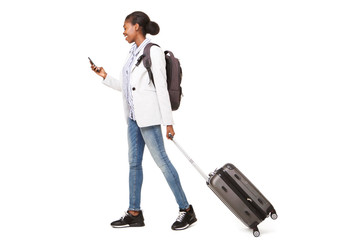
(273, 215)
(256, 232)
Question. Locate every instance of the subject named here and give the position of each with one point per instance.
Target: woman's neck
(139, 40)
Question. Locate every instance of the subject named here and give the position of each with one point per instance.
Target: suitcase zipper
(243, 195)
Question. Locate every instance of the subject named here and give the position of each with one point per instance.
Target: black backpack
(173, 74)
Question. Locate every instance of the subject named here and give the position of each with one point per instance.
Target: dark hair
(144, 22)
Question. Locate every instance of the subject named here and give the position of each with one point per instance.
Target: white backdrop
(271, 86)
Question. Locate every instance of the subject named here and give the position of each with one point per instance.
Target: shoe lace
(126, 214)
(181, 216)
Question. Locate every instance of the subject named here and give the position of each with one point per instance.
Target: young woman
(146, 108)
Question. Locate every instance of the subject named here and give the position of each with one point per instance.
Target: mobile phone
(92, 63)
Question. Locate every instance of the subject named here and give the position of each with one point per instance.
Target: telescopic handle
(189, 158)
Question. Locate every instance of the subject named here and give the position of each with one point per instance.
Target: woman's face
(130, 31)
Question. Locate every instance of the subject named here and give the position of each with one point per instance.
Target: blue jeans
(152, 137)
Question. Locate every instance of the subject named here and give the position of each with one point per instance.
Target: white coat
(151, 104)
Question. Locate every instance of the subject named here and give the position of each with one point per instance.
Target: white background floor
(271, 86)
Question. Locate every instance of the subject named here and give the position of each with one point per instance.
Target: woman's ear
(137, 27)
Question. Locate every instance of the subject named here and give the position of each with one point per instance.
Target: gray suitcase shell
(237, 193)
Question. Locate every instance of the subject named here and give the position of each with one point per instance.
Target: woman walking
(146, 108)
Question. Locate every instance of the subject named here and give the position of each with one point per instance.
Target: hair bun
(152, 28)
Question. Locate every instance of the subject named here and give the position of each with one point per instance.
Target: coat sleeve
(113, 82)
(158, 69)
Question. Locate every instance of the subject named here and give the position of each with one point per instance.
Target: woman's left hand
(169, 129)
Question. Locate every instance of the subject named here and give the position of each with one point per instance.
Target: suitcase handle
(188, 157)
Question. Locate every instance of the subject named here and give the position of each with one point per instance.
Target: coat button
(133, 88)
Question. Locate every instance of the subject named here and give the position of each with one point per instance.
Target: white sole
(185, 227)
(123, 226)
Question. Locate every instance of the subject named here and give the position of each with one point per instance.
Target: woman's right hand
(99, 71)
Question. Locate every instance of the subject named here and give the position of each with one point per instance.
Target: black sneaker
(129, 221)
(184, 220)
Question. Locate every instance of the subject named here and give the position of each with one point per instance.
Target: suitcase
(236, 191)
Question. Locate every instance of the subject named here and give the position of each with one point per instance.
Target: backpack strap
(147, 60)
